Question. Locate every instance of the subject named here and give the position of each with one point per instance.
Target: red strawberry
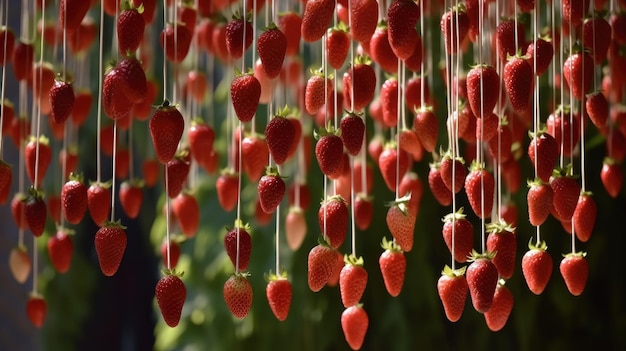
(280, 134)
(362, 77)
(392, 264)
(278, 293)
(480, 186)
(271, 190)
(318, 88)
(574, 11)
(333, 281)
(20, 264)
(518, 80)
(131, 197)
(500, 310)
(110, 242)
(410, 143)
(60, 249)
(321, 265)
(482, 279)
(585, 216)
(37, 159)
(61, 100)
(36, 310)
(618, 23)
(83, 100)
(441, 193)
(452, 289)
(565, 130)
(401, 223)
(74, 199)
(329, 152)
(290, 23)
(566, 191)
(575, 271)
(502, 239)
(255, 154)
(537, 267)
(540, 54)
(166, 128)
(392, 165)
(364, 16)
(413, 93)
(295, 228)
(174, 251)
(35, 211)
(5, 181)
(236, 29)
(7, 44)
(18, 206)
(508, 213)
(133, 79)
(454, 25)
(412, 185)
(177, 171)
(71, 13)
(596, 36)
(201, 137)
(389, 102)
(196, 85)
(352, 132)
(546, 147)
(238, 295)
(245, 245)
(597, 108)
(354, 323)
(363, 211)
(453, 172)
(245, 91)
(380, 49)
(333, 218)
(54, 207)
(170, 293)
(402, 19)
(316, 19)
(352, 281)
(23, 56)
(130, 27)
(612, 177)
(540, 198)
(483, 86)
(578, 73)
(426, 126)
(461, 229)
(117, 105)
(175, 41)
(337, 45)
(509, 38)
(99, 201)
(227, 186)
(272, 45)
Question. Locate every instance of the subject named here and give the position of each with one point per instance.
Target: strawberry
(321, 265)
(401, 223)
(80, 40)
(352, 132)
(290, 23)
(238, 235)
(177, 171)
(502, 240)
(380, 49)
(227, 186)
(363, 211)
(518, 80)
(35, 211)
(20, 264)
(354, 323)
(318, 88)
(99, 201)
(245, 92)
(5, 181)
(537, 267)
(74, 199)
(238, 295)
(575, 271)
(23, 56)
(618, 23)
(509, 38)
(566, 191)
(272, 45)
(497, 316)
(364, 16)
(426, 127)
(574, 11)
(271, 190)
(196, 85)
(482, 279)
(131, 197)
(54, 206)
(480, 186)
(333, 218)
(110, 242)
(170, 293)
(255, 154)
(60, 249)
(441, 193)
(166, 129)
(132, 79)
(71, 13)
(392, 165)
(329, 151)
(236, 29)
(18, 206)
(352, 280)
(540, 198)
(453, 172)
(402, 18)
(597, 108)
(392, 264)
(280, 134)
(540, 54)
(61, 97)
(36, 310)
(413, 93)
(596, 35)
(130, 28)
(410, 143)
(461, 229)
(454, 25)
(483, 86)
(83, 100)
(278, 293)
(175, 41)
(578, 73)
(7, 45)
(389, 102)
(564, 129)
(117, 105)
(412, 185)
(612, 177)
(316, 19)
(37, 156)
(8, 115)
(174, 249)
(295, 227)
(452, 290)
(337, 45)
(543, 151)
(362, 77)
(585, 216)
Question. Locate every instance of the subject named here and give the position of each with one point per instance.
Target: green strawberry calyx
(565, 171)
(353, 260)
(102, 184)
(239, 224)
(477, 166)
(534, 245)
(330, 130)
(535, 182)
(271, 276)
(320, 73)
(324, 242)
(113, 224)
(500, 227)
(475, 256)
(33, 194)
(174, 272)
(283, 112)
(64, 230)
(134, 182)
(454, 216)
(43, 140)
(77, 177)
(128, 5)
(401, 203)
(453, 273)
(610, 161)
(390, 245)
(580, 254)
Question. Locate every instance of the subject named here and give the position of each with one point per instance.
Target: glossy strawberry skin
(504, 243)
(566, 190)
(166, 128)
(585, 217)
(60, 249)
(279, 294)
(74, 200)
(354, 323)
(61, 100)
(352, 133)
(490, 87)
(245, 247)
(575, 271)
(500, 310)
(245, 91)
(321, 265)
(35, 213)
(333, 218)
(99, 202)
(539, 198)
(480, 200)
(463, 237)
(279, 135)
(130, 28)
(271, 190)
(518, 80)
(482, 278)
(537, 269)
(272, 45)
(545, 156)
(238, 295)
(329, 155)
(236, 43)
(352, 283)
(452, 291)
(393, 268)
(316, 19)
(170, 293)
(110, 243)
